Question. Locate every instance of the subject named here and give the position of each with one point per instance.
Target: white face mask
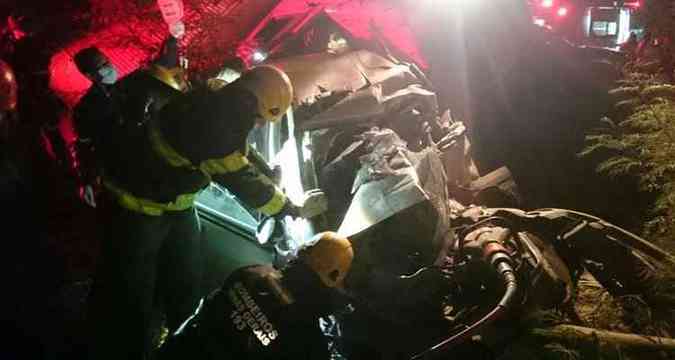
(107, 74)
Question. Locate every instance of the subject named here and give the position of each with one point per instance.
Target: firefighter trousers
(146, 262)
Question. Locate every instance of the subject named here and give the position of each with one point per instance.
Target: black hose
(511, 283)
(502, 263)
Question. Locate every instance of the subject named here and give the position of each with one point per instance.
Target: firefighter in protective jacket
(263, 313)
(135, 272)
(153, 168)
(113, 111)
(202, 138)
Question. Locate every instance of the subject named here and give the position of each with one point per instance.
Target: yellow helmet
(271, 87)
(330, 256)
(173, 77)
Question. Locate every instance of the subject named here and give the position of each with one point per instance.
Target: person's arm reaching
(238, 175)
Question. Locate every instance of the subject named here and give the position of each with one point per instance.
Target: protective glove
(316, 203)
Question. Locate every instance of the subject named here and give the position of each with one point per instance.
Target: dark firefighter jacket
(204, 135)
(255, 315)
(156, 161)
(110, 122)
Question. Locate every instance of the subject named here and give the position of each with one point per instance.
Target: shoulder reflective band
(275, 204)
(229, 164)
(164, 149)
(149, 207)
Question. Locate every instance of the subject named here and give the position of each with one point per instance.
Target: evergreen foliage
(640, 141)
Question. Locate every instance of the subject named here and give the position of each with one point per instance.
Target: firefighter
(110, 121)
(203, 137)
(111, 107)
(97, 107)
(12, 173)
(15, 150)
(8, 101)
(152, 172)
(264, 313)
(28, 267)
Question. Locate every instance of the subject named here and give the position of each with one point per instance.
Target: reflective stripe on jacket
(228, 166)
(145, 206)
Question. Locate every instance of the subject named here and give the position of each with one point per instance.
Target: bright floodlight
(547, 3)
(259, 56)
(562, 11)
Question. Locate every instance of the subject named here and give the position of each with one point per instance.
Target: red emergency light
(15, 29)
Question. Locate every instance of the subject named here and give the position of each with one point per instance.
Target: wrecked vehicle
(364, 90)
(451, 272)
(439, 248)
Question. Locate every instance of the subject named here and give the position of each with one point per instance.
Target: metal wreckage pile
(441, 254)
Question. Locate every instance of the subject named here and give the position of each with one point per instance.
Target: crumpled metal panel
(317, 74)
(391, 181)
(385, 184)
(366, 104)
(373, 104)
(378, 200)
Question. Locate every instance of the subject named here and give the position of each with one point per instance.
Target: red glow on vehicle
(562, 11)
(360, 18)
(547, 3)
(635, 4)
